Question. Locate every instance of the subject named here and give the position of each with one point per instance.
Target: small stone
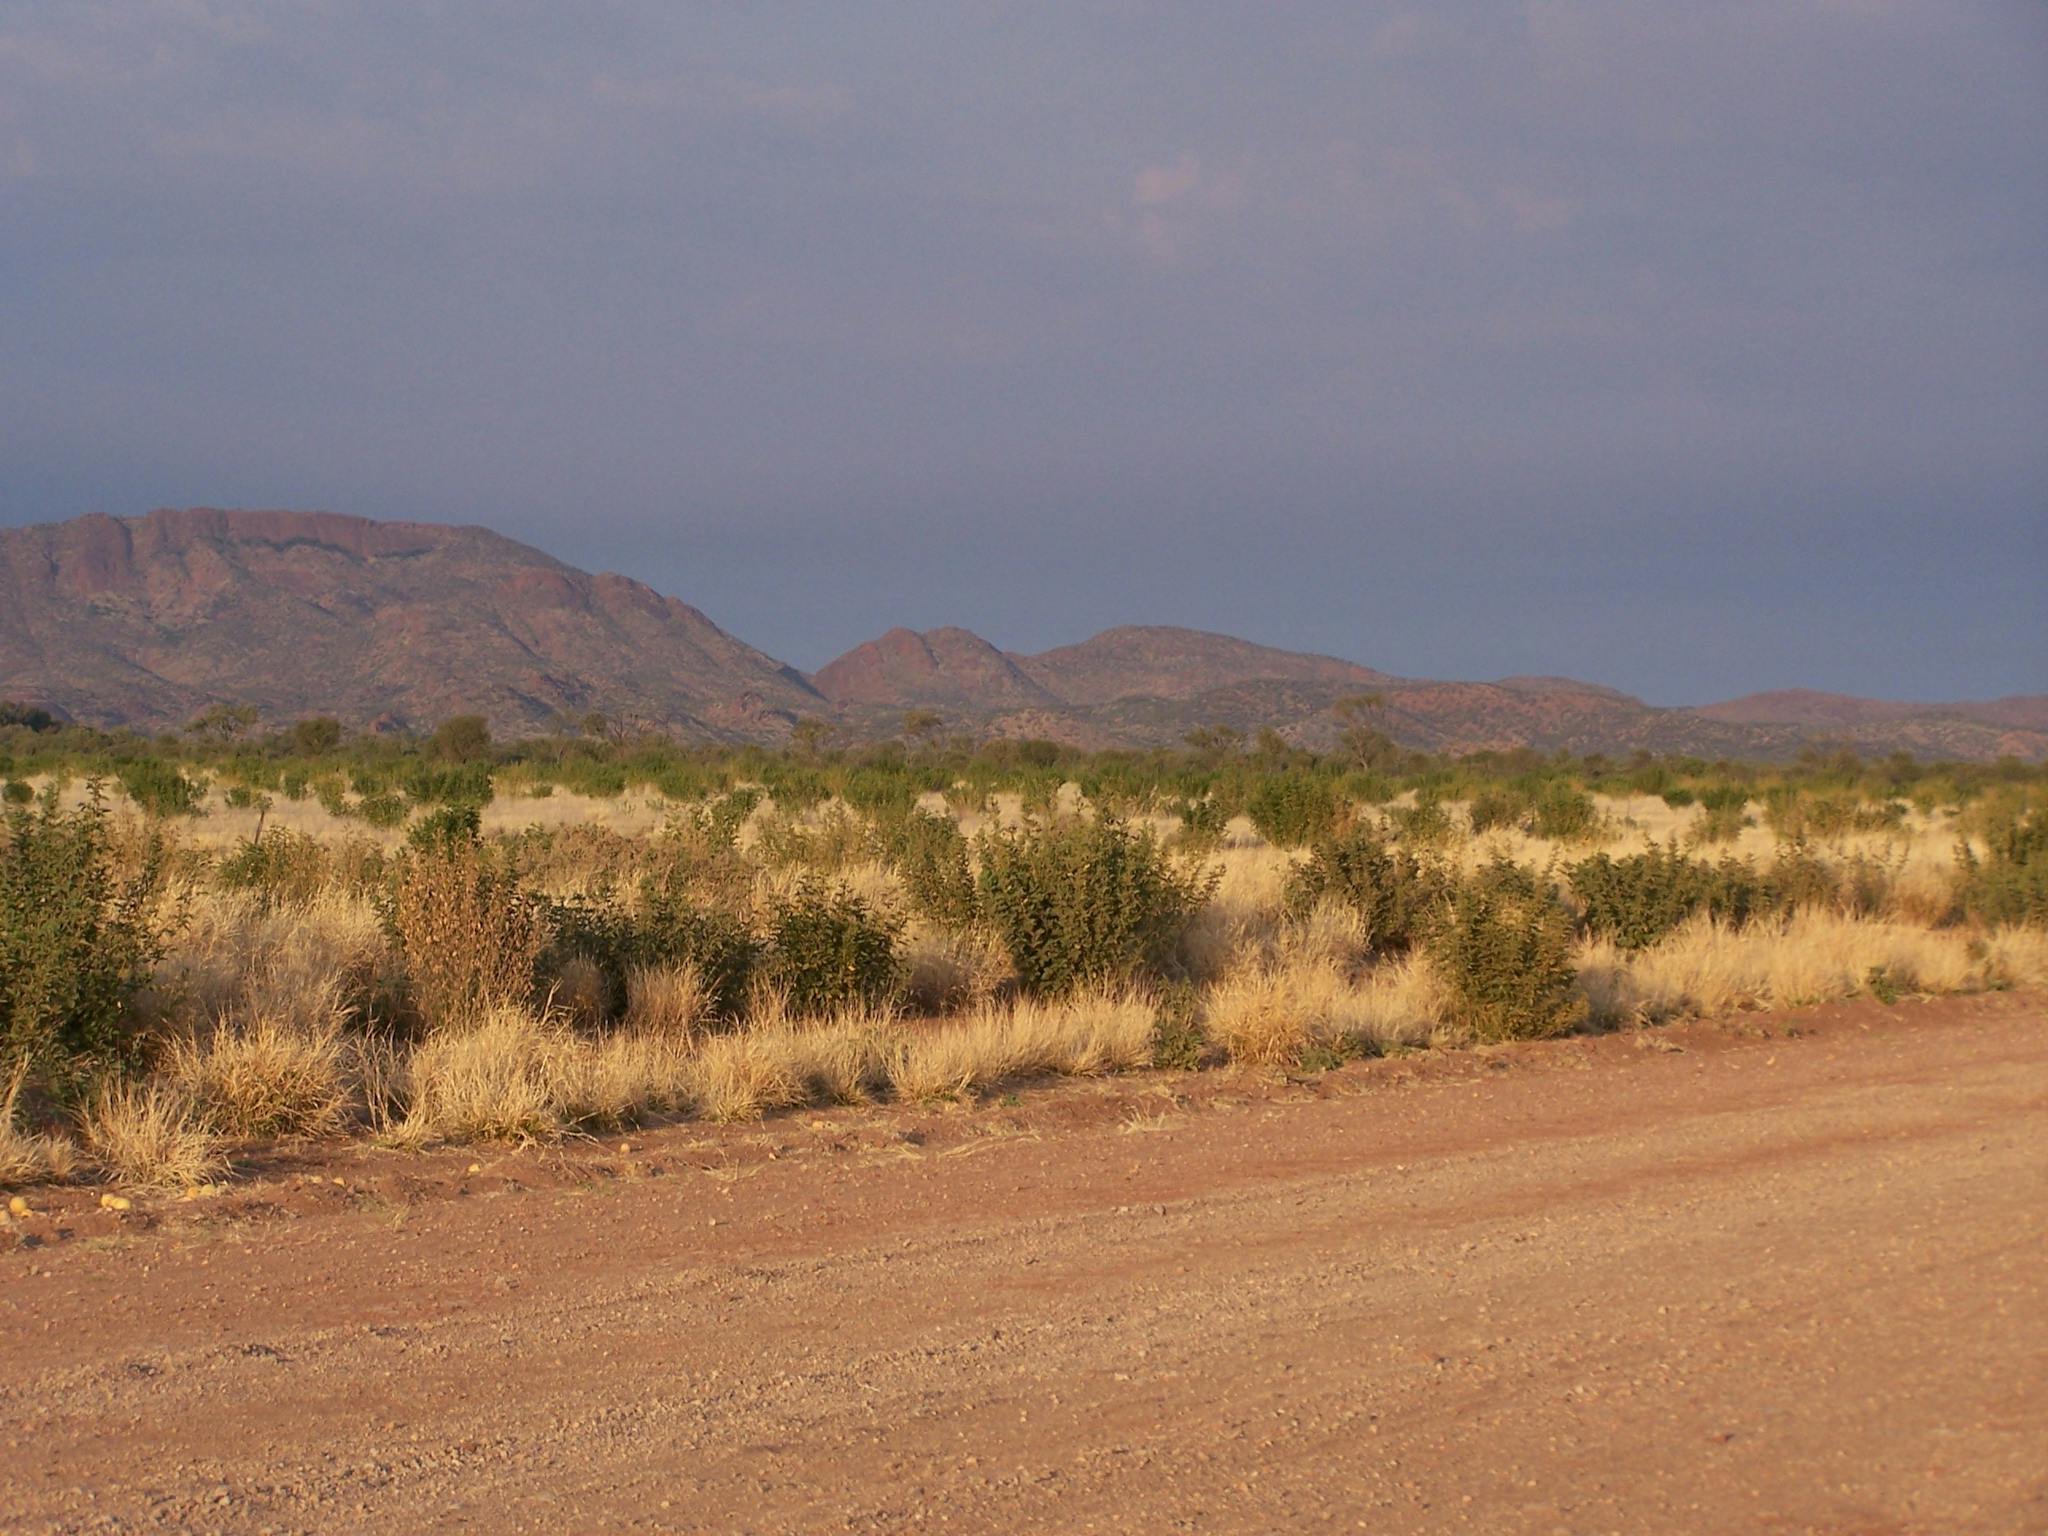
(625, 1147)
(18, 1206)
(476, 1167)
(115, 1202)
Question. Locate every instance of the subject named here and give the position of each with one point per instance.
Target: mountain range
(147, 622)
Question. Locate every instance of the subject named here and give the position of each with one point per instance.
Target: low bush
(1085, 900)
(1388, 887)
(81, 930)
(827, 949)
(284, 869)
(446, 829)
(930, 857)
(1562, 812)
(1495, 808)
(382, 810)
(2009, 883)
(1637, 900)
(160, 788)
(1503, 944)
(471, 936)
(1292, 810)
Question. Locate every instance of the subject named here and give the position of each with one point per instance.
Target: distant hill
(1151, 685)
(146, 622)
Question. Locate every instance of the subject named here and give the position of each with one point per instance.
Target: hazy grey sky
(1691, 347)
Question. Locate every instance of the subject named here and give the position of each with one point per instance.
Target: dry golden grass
(741, 1076)
(1707, 968)
(1270, 1014)
(150, 1134)
(947, 971)
(296, 963)
(669, 1000)
(1090, 1033)
(1246, 917)
(268, 1077)
(618, 1079)
(489, 1082)
(2016, 957)
(26, 1158)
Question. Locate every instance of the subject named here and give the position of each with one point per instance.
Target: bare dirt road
(1780, 1275)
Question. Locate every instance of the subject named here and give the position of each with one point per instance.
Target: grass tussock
(27, 1157)
(269, 1077)
(1280, 1013)
(150, 1134)
(667, 1000)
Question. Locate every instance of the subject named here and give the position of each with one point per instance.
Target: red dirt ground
(1779, 1274)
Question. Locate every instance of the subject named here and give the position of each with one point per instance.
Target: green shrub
(1426, 823)
(1678, 799)
(885, 794)
(1799, 877)
(930, 857)
(159, 788)
(1292, 810)
(1389, 889)
(79, 936)
(1637, 900)
(1563, 812)
(1497, 807)
(829, 949)
(837, 840)
(2009, 884)
(1504, 945)
(1202, 822)
(721, 819)
(1724, 812)
(1085, 900)
(668, 929)
(284, 868)
(466, 784)
(17, 792)
(382, 810)
(1179, 1041)
(445, 830)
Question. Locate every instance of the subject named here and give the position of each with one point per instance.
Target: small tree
(316, 736)
(462, 738)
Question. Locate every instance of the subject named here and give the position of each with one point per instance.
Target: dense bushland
(487, 938)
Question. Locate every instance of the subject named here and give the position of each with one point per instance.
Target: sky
(1692, 348)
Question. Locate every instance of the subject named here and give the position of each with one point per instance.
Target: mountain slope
(1159, 661)
(941, 669)
(146, 621)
